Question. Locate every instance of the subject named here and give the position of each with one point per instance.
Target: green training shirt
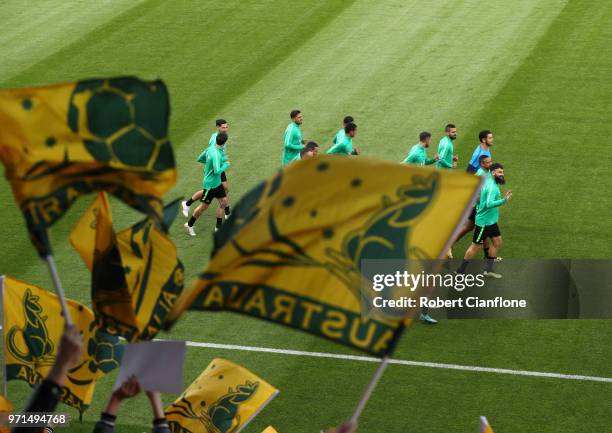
(480, 172)
(344, 147)
(446, 152)
(339, 136)
(216, 163)
(487, 212)
(292, 143)
(418, 156)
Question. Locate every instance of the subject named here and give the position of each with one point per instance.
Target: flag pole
(370, 389)
(58, 288)
(2, 331)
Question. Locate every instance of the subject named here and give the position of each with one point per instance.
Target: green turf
(534, 71)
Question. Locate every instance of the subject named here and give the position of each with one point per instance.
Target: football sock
(219, 222)
(191, 221)
(489, 264)
(227, 210)
(486, 253)
(189, 202)
(463, 266)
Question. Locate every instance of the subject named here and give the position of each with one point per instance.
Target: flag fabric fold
(33, 326)
(224, 398)
(60, 141)
(136, 274)
(484, 425)
(292, 249)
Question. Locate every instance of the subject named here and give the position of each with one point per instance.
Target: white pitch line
(402, 362)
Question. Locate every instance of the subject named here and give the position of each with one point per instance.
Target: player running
(216, 163)
(222, 126)
(341, 134)
(485, 165)
(345, 146)
(418, 152)
(487, 217)
(446, 149)
(293, 142)
(484, 148)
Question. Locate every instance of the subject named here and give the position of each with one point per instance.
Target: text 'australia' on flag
(291, 251)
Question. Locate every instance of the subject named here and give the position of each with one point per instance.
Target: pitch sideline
(401, 362)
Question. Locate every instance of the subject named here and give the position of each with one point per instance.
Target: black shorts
(208, 195)
(481, 233)
(223, 177)
(472, 216)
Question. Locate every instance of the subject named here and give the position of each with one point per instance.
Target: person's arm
(160, 424)
(430, 161)
(48, 393)
(202, 157)
(128, 389)
(443, 151)
(218, 165)
(293, 140)
(490, 203)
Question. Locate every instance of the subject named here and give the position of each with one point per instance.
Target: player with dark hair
(418, 152)
(446, 149)
(222, 126)
(340, 135)
(345, 147)
(485, 139)
(311, 149)
(293, 142)
(487, 216)
(216, 163)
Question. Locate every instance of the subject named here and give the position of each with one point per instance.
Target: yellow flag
(94, 230)
(484, 425)
(269, 429)
(225, 398)
(60, 141)
(136, 274)
(33, 326)
(291, 252)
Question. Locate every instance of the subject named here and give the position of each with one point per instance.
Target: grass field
(536, 72)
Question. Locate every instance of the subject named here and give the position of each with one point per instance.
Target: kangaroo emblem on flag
(34, 335)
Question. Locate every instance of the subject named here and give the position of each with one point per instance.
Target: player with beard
(222, 127)
(484, 148)
(292, 141)
(487, 217)
(446, 149)
(484, 170)
(418, 152)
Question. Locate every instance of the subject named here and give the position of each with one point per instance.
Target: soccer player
(340, 135)
(216, 163)
(446, 150)
(311, 149)
(484, 148)
(418, 152)
(222, 126)
(293, 142)
(485, 165)
(345, 147)
(487, 216)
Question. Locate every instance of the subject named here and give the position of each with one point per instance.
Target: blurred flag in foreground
(484, 425)
(269, 429)
(33, 326)
(136, 274)
(291, 252)
(60, 141)
(225, 398)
